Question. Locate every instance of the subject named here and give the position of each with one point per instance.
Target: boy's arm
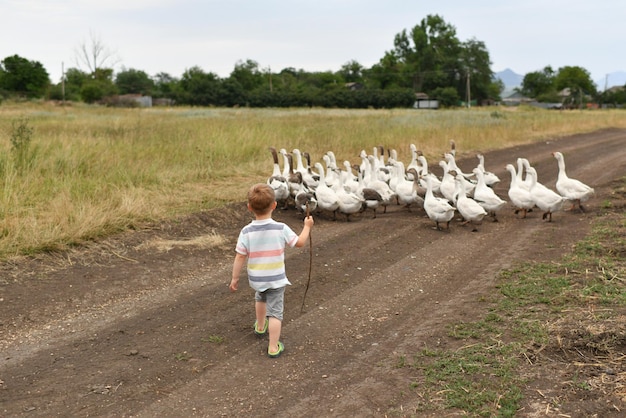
(238, 264)
(306, 232)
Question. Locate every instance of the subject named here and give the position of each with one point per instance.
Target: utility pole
(63, 82)
(468, 88)
(270, 71)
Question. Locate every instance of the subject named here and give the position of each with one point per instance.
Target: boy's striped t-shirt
(264, 242)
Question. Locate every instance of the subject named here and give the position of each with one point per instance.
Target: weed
(214, 339)
(21, 137)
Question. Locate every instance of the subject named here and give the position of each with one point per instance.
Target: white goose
(286, 167)
(380, 168)
(490, 178)
(468, 185)
(438, 209)
(406, 190)
(371, 181)
(393, 155)
(414, 162)
(349, 202)
(528, 180)
(425, 173)
(447, 186)
(311, 180)
(294, 178)
(571, 189)
(372, 199)
(486, 197)
(278, 182)
(327, 199)
(333, 160)
(545, 199)
(299, 165)
(314, 178)
(520, 197)
(365, 164)
(348, 178)
(469, 209)
(331, 177)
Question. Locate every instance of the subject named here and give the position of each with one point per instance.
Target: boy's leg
(275, 306)
(274, 329)
(260, 309)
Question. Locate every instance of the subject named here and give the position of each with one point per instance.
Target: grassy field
(75, 173)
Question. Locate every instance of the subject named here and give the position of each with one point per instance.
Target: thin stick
(308, 282)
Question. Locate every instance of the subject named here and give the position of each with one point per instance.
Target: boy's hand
(308, 221)
(234, 284)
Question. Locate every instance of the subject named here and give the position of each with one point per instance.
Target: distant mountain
(510, 79)
(617, 78)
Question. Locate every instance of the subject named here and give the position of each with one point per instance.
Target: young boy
(262, 242)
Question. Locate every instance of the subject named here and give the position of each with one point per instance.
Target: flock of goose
(375, 183)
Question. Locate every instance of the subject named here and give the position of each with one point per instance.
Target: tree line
(427, 59)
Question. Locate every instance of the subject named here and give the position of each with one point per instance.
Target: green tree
(578, 81)
(539, 83)
(352, 72)
(164, 85)
(435, 60)
(248, 75)
(70, 90)
(131, 81)
(22, 77)
(98, 86)
(431, 58)
(198, 88)
(614, 97)
(496, 88)
(475, 58)
(447, 96)
(387, 73)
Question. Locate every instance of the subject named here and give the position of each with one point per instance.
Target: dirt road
(127, 328)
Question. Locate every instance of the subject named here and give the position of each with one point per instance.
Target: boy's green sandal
(281, 348)
(258, 331)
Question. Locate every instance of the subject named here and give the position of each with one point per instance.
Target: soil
(143, 324)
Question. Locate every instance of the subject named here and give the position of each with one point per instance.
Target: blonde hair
(260, 198)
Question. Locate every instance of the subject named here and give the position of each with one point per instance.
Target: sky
(171, 36)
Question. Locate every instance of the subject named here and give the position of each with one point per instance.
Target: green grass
(582, 295)
(77, 173)
(214, 339)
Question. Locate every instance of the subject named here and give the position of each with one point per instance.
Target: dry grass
(90, 171)
(203, 241)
